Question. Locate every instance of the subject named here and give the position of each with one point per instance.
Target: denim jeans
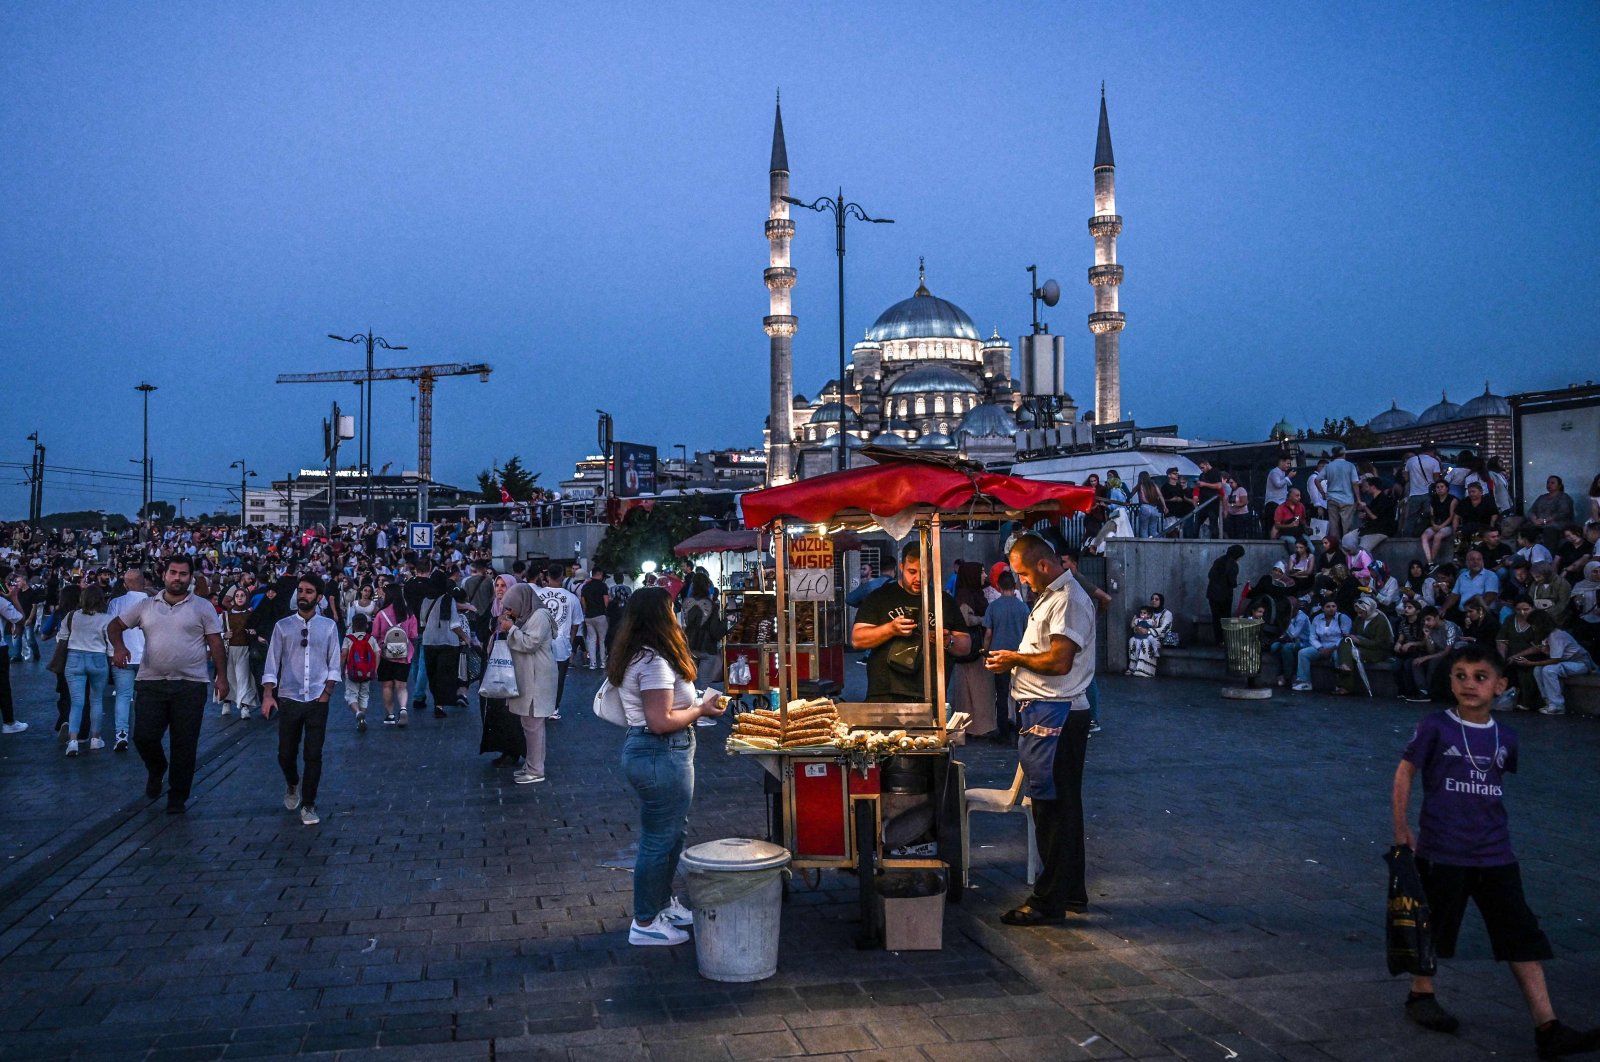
(122, 679)
(1308, 656)
(86, 670)
(27, 637)
(660, 767)
(417, 680)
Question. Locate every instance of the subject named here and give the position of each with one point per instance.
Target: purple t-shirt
(1463, 767)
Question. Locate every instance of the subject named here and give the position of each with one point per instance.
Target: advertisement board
(635, 466)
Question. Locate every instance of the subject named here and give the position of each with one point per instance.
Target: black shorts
(393, 670)
(1514, 932)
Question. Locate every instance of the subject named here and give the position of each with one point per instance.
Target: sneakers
(244, 713)
(553, 716)
(523, 776)
(1094, 728)
(1554, 1040)
(309, 816)
(1418, 698)
(291, 797)
(403, 717)
(1301, 687)
(96, 744)
(227, 710)
(677, 913)
(438, 713)
(361, 722)
(1426, 1012)
(13, 728)
(1552, 709)
(388, 720)
(659, 933)
(122, 742)
(72, 747)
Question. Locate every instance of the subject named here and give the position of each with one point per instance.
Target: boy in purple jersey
(1463, 846)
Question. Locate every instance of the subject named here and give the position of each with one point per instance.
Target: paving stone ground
(440, 912)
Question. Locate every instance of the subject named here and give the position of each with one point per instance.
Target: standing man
(567, 612)
(10, 612)
(890, 623)
(180, 631)
(1341, 479)
(1420, 470)
(133, 586)
(303, 661)
(1213, 496)
(595, 599)
(1278, 483)
(1004, 624)
(1050, 676)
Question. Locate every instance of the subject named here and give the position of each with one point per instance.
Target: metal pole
(366, 426)
(838, 216)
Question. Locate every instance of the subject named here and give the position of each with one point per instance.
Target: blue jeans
(86, 669)
(1308, 655)
(1093, 693)
(1288, 654)
(122, 679)
(27, 636)
(661, 770)
(417, 680)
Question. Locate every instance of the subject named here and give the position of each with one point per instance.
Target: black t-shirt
(1383, 515)
(415, 590)
(593, 596)
(1476, 517)
(1177, 498)
(1211, 481)
(1493, 555)
(885, 603)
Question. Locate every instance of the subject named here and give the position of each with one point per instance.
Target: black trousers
(299, 720)
(443, 664)
(561, 681)
(8, 711)
(1002, 705)
(179, 706)
(1058, 826)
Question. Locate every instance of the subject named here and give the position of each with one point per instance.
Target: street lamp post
(841, 210)
(145, 388)
(370, 341)
(244, 478)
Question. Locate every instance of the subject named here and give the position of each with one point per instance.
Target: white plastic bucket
(736, 939)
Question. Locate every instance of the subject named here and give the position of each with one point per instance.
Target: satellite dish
(1050, 293)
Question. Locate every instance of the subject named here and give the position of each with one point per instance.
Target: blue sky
(1324, 209)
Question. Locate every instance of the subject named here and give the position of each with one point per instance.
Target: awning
(717, 540)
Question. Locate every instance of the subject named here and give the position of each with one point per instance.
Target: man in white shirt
(1050, 676)
(1563, 657)
(567, 611)
(1339, 480)
(1421, 469)
(122, 677)
(302, 663)
(1278, 483)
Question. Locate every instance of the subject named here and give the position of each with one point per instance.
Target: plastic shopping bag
(1408, 924)
(499, 676)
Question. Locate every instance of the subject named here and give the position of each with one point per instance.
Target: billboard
(635, 467)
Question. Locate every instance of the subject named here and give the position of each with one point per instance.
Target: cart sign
(811, 568)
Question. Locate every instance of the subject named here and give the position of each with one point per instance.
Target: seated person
(1517, 586)
(1297, 636)
(1586, 608)
(1521, 643)
(1385, 587)
(1144, 645)
(1410, 640)
(1289, 519)
(1442, 521)
(1531, 547)
(1371, 641)
(1482, 623)
(1576, 549)
(1328, 629)
(1477, 513)
(1496, 553)
(1474, 581)
(1563, 658)
(1440, 638)
(1550, 593)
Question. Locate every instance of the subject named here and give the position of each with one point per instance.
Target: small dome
(1392, 419)
(850, 442)
(1486, 405)
(800, 400)
(995, 342)
(936, 440)
(988, 419)
(890, 439)
(828, 413)
(896, 424)
(1440, 411)
(1282, 430)
(930, 378)
(868, 344)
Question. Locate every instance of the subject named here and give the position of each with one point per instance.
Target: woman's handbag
(58, 658)
(499, 674)
(608, 704)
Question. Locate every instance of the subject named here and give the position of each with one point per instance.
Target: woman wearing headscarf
(502, 733)
(1371, 640)
(530, 633)
(444, 634)
(1586, 608)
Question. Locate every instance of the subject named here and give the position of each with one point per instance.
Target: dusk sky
(1324, 209)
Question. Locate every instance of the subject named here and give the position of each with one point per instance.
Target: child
(360, 666)
(1144, 648)
(1465, 846)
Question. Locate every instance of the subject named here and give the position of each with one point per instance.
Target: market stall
(871, 786)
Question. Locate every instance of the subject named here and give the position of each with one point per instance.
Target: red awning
(889, 489)
(717, 540)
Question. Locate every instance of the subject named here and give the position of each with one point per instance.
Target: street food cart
(871, 786)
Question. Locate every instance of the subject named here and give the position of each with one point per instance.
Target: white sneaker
(676, 913)
(1302, 687)
(1551, 709)
(13, 728)
(95, 744)
(291, 797)
(244, 713)
(659, 933)
(226, 711)
(309, 816)
(122, 742)
(523, 776)
(72, 747)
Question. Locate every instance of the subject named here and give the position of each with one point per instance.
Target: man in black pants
(180, 629)
(10, 612)
(302, 662)
(1050, 676)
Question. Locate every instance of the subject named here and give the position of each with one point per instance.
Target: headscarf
(498, 605)
(1366, 606)
(519, 601)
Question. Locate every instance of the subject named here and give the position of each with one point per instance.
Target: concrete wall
(1176, 568)
(558, 543)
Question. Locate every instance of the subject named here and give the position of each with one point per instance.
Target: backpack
(363, 661)
(396, 643)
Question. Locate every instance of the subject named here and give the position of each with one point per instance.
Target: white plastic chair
(1003, 802)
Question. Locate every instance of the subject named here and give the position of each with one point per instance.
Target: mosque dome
(1282, 430)
(1440, 411)
(889, 438)
(850, 442)
(933, 378)
(828, 413)
(867, 344)
(936, 440)
(988, 419)
(923, 316)
(1392, 419)
(1486, 405)
(996, 341)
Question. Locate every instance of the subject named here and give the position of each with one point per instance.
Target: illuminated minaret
(780, 323)
(1107, 321)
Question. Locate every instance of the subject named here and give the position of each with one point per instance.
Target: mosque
(922, 377)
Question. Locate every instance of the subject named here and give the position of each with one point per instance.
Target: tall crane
(424, 377)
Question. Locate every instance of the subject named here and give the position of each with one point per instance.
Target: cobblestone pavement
(439, 912)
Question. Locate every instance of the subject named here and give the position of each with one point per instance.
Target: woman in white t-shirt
(653, 670)
(88, 666)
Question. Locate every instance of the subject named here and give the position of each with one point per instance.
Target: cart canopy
(716, 540)
(890, 489)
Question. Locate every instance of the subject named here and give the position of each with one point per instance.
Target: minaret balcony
(780, 229)
(1105, 225)
(779, 277)
(782, 324)
(1107, 321)
(1105, 275)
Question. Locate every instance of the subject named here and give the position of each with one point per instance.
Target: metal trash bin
(1242, 636)
(736, 891)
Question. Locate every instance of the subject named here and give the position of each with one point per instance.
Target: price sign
(811, 568)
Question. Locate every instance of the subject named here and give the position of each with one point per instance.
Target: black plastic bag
(1408, 922)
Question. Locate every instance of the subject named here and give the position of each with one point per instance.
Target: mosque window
(944, 427)
(922, 405)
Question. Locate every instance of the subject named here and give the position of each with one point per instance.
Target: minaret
(780, 323)
(1106, 322)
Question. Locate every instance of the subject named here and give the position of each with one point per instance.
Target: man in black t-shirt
(594, 598)
(1179, 504)
(1213, 496)
(889, 622)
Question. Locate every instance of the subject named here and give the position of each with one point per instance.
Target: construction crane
(423, 376)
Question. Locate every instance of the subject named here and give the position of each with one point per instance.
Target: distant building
(303, 499)
(1482, 425)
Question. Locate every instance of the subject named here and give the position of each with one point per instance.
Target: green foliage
(514, 477)
(1353, 435)
(83, 520)
(488, 486)
(650, 535)
(162, 512)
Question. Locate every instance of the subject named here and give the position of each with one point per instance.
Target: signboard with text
(635, 466)
(811, 568)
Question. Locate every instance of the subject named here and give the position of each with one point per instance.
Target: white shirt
(1064, 609)
(563, 606)
(1420, 470)
(1278, 484)
(647, 671)
(302, 657)
(133, 637)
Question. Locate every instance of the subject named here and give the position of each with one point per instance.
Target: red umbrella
(887, 489)
(716, 540)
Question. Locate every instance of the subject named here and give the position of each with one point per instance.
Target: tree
(1353, 435)
(162, 512)
(488, 486)
(650, 534)
(83, 519)
(516, 479)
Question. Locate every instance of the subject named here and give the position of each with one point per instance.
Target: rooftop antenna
(1049, 294)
